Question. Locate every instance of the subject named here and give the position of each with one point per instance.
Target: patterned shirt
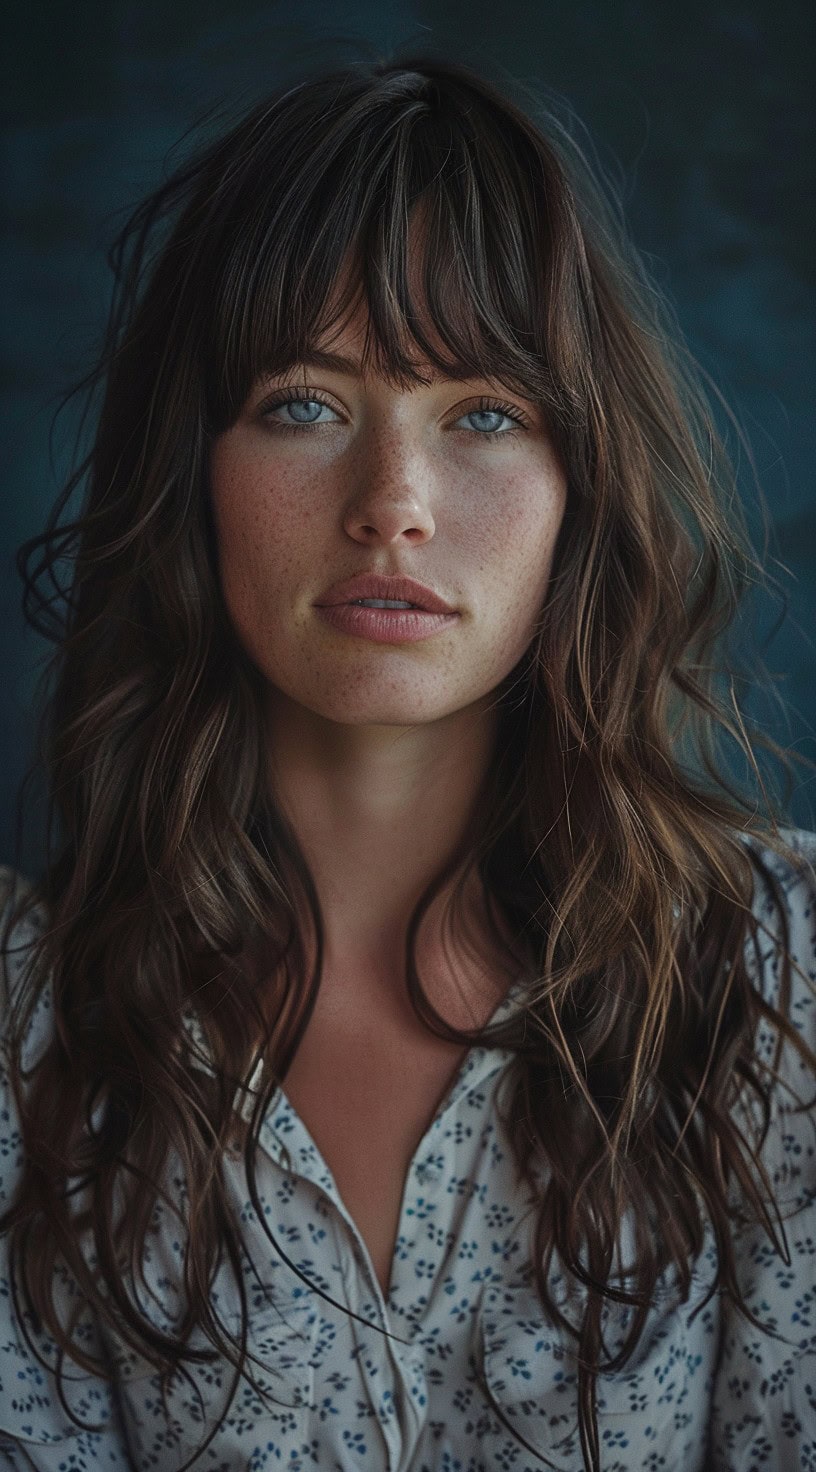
(397, 1388)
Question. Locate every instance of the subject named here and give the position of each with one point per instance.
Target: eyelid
(299, 391)
(491, 404)
(486, 403)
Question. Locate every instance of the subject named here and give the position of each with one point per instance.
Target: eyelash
(307, 396)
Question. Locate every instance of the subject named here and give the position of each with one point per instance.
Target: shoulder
(38, 1416)
(761, 1406)
(17, 952)
(14, 947)
(25, 1008)
(795, 877)
(782, 969)
(784, 904)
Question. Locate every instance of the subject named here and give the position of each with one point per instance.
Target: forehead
(347, 347)
(350, 365)
(411, 321)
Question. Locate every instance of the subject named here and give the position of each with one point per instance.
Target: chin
(381, 712)
(406, 697)
(389, 703)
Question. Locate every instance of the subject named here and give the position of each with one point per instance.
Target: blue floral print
(403, 1387)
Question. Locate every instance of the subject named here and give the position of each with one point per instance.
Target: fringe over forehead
(311, 204)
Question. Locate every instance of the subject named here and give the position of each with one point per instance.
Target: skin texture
(377, 751)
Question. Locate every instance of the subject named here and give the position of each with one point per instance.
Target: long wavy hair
(611, 841)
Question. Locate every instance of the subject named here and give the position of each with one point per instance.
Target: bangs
(322, 214)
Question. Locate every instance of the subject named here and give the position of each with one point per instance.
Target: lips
(377, 585)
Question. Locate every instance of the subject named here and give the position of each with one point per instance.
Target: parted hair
(611, 839)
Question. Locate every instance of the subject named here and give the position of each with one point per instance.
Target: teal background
(703, 113)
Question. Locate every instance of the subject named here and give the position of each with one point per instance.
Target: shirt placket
(391, 1373)
(392, 1367)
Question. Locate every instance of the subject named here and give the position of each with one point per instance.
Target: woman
(419, 1015)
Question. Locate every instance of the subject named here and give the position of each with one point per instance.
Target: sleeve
(764, 1394)
(35, 1430)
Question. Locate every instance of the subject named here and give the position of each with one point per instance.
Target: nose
(389, 505)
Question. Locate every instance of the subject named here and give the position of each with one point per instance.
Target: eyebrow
(339, 363)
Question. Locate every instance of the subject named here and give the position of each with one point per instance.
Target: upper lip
(378, 585)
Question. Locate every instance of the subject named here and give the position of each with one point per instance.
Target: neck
(378, 811)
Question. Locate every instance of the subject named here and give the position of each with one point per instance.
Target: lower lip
(385, 625)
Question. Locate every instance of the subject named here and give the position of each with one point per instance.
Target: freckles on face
(294, 514)
(513, 542)
(263, 521)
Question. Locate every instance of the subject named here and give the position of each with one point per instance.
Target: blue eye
(494, 411)
(486, 420)
(298, 403)
(304, 412)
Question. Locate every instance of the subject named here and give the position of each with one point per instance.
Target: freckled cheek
(515, 535)
(260, 527)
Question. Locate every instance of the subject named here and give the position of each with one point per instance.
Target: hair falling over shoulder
(610, 840)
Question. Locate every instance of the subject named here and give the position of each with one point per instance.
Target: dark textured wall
(704, 110)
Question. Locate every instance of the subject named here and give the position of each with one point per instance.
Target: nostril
(391, 526)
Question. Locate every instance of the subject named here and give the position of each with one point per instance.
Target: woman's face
(388, 482)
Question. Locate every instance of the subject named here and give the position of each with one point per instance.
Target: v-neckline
(284, 1123)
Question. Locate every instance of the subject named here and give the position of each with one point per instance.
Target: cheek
(515, 541)
(254, 527)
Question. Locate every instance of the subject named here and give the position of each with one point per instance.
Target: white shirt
(399, 1391)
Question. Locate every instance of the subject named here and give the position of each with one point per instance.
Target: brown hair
(609, 839)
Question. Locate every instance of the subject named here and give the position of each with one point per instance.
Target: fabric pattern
(397, 1388)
